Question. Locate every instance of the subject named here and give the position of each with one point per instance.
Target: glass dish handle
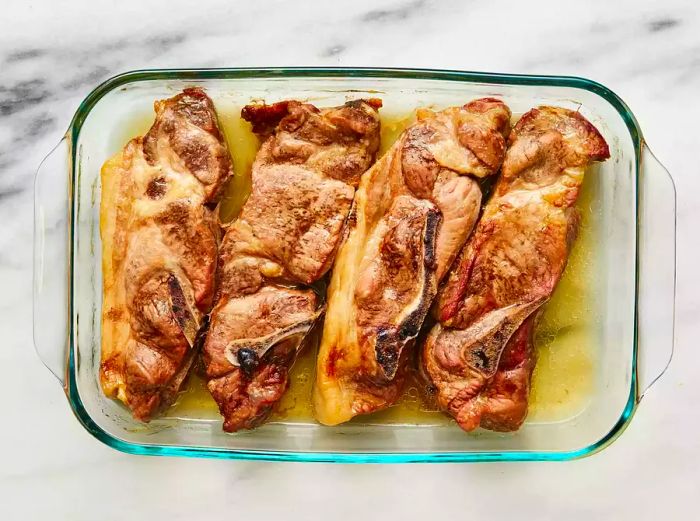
(51, 303)
(657, 271)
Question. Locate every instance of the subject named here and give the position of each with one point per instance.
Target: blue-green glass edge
(335, 72)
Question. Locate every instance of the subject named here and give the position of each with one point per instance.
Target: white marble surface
(52, 53)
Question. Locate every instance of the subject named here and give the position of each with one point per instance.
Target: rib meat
(413, 212)
(159, 236)
(304, 179)
(480, 356)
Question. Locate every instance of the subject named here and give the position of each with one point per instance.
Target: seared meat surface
(159, 237)
(285, 238)
(412, 213)
(480, 356)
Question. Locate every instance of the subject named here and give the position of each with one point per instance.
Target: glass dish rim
(345, 72)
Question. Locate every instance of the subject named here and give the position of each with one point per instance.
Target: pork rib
(480, 356)
(285, 239)
(413, 211)
(159, 237)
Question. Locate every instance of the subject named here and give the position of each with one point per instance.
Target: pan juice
(563, 378)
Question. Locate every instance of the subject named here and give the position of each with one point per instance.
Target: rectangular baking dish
(633, 284)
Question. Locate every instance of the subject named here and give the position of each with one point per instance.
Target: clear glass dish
(633, 284)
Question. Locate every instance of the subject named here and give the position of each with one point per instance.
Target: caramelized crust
(412, 213)
(284, 240)
(480, 356)
(159, 239)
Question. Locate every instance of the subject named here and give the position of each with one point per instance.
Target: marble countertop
(53, 53)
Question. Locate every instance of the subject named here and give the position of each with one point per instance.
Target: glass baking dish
(633, 287)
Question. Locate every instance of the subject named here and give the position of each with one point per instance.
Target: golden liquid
(563, 378)
(562, 382)
(243, 145)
